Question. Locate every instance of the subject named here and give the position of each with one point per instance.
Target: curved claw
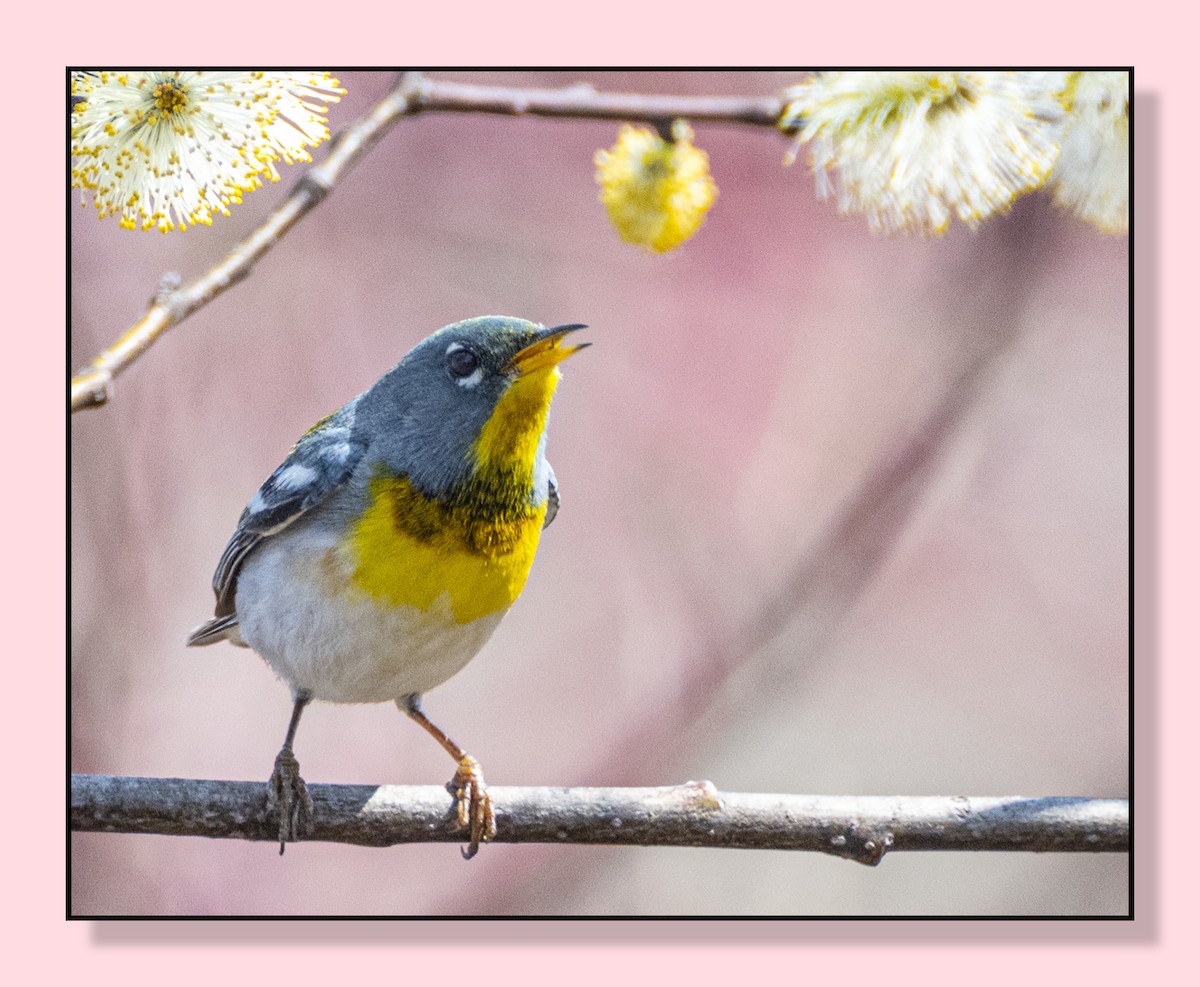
(288, 796)
(474, 804)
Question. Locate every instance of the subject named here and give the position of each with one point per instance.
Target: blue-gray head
(470, 402)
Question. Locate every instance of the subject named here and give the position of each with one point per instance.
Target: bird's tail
(218, 629)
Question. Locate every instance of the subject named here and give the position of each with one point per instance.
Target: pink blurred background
(841, 514)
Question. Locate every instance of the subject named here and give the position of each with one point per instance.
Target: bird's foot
(287, 796)
(474, 804)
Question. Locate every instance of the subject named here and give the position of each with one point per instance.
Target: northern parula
(377, 560)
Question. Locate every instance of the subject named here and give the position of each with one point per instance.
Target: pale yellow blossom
(165, 150)
(915, 149)
(1092, 174)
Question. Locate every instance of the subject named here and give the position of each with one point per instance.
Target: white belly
(344, 647)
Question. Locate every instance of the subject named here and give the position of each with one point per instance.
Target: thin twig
(91, 387)
(694, 814)
(584, 101)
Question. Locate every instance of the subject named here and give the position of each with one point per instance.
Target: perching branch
(90, 387)
(695, 814)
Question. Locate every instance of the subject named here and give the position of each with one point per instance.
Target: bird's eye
(462, 363)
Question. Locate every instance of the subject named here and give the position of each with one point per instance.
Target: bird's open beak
(544, 352)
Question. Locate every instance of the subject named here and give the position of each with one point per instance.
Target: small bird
(377, 560)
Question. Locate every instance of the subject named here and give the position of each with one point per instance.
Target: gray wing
(552, 498)
(319, 463)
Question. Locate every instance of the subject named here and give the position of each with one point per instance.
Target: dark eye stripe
(462, 363)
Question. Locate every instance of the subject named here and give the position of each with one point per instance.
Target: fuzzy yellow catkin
(656, 192)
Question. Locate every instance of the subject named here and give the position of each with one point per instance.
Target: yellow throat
(408, 549)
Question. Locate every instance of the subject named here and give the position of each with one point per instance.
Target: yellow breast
(409, 550)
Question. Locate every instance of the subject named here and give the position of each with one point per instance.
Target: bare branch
(91, 386)
(583, 101)
(861, 828)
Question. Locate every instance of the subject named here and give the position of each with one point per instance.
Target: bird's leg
(287, 795)
(468, 787)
